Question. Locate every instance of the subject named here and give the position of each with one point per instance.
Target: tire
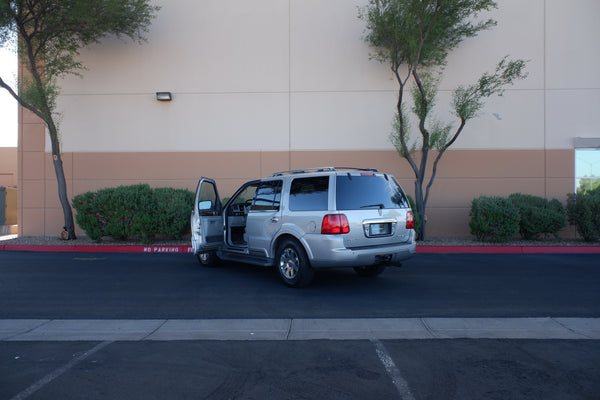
(208, 258)
(371, 270)
(293, 265)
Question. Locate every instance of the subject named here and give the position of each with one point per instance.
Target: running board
(246, 258)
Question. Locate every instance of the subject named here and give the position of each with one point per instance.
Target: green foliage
(586, 184)
(173, 209)
(414, 38)
(467, 101)
(421, 32)
(51, 33)
(399, 126)
(583, 210)
(38, 96)
(538, 215)
(134, 211)
(56, 29)
(416, 215)
(493, 219)
(424, 96)
(90, 214)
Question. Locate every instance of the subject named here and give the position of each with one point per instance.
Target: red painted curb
(561, 249)
(420, 249)
(97, 248)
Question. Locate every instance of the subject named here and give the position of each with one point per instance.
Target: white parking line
(393, 371)
(55, 374)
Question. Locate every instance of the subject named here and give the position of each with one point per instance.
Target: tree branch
(22, 102)
(403, 144)
(439, 157)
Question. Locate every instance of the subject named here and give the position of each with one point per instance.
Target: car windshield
(356, 192)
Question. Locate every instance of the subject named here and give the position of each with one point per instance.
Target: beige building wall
(272, 85)
(8, 166)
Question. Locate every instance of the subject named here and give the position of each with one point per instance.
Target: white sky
(8, 105)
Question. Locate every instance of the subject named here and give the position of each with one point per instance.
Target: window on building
(587, 169)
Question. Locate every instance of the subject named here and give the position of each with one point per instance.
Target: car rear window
(355, 192)
(309, 194)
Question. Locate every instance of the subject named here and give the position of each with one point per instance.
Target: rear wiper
(374, 205)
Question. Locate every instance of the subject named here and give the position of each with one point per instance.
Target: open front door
(207, 219)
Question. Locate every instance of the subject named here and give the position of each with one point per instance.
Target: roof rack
(322, 169)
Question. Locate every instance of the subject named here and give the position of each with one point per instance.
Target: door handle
(274, 219)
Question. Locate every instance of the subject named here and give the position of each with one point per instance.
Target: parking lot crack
(568, 328)
(155, 330)
(428, 328)
(43, 323)
(289, 332)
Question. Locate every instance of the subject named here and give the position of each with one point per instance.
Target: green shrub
(129, 212)
(89, 217)
(583, 210)
(538, 215)
(416, 215)
(173, 210)
(493, 219)
(134, 211)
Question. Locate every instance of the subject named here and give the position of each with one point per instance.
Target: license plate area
(378, 228)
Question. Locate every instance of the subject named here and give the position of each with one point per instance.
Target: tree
(50, 34)
(414, 37)
(587, 184)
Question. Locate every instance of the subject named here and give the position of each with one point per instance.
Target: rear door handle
(274, 219)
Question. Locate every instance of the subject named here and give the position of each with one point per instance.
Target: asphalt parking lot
(315, 369)
(174, 286)
(442, 327)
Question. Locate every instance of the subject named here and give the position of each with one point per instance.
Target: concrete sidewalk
(299, 329)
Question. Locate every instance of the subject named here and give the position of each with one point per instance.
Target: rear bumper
(329, 252)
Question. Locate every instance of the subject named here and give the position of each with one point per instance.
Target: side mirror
(205, 205)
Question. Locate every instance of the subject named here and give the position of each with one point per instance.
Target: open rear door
(207, 218)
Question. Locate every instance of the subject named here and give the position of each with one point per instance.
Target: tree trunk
(62, 195)
(420, 207)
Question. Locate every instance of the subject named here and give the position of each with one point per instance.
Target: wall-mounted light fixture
(164, 96)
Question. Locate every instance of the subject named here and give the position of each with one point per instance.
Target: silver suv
(303, 220)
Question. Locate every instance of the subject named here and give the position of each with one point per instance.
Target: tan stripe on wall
(462, 175)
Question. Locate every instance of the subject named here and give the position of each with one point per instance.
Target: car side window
(246, 195)
(267, 196)
(309, 194)
(242, 200)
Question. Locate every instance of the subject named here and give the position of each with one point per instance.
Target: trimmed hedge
(493, 219)
(583, 210)
(134, 211)
(538, 215)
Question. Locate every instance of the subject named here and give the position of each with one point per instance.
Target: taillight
(410, 220)
(334, 224)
